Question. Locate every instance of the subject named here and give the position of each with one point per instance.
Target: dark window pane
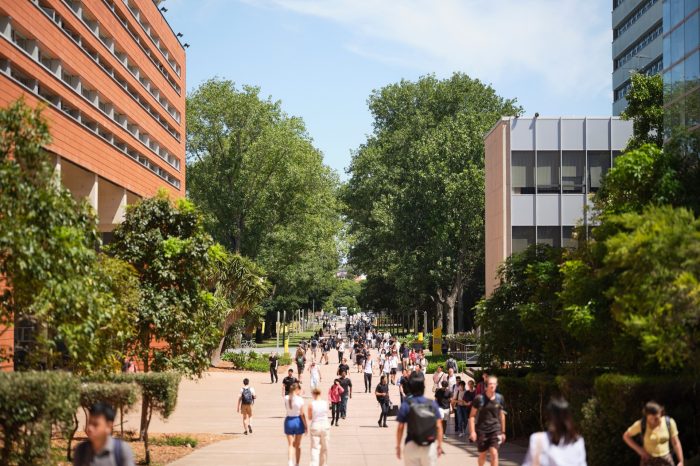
(550, 235)
(547, 172)
(523, 172)
(569, 236)
(522, 237)
(598, 165)
(572, 171)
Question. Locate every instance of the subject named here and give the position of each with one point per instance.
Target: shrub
(176, 441)
(31, 405)
(252, 361)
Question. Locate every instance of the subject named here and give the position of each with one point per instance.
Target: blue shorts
(293, 425)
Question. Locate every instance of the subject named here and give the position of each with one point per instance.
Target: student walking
(421, 419)
(245, 405)
(314, 375)
(346, 383)
(301, 362)
(335, 394)
(100, 447)
(382, 394)
(274, 365)
(487, 422)
(369, 369)
(341, 350)
(294, 423)
(560, 444)
(288, 381)
(658, 433)
(319, 429)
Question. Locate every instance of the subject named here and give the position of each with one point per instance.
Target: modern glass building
(681, 71)
(540, 173)
(637, 44)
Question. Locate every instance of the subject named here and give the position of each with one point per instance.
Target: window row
(555, 236)
(107, 68)
(46, 93)
(152, 35)
(565, 172)
(78, 84)
(638, 46)
(633, 18)
(654, 68)
(134, 35)
(94, 25)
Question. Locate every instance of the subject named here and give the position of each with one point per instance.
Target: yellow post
(286, 341)
(263, 326)
(420, 337)
(437, 341)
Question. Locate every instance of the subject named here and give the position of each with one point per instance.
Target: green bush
(32, 404)
(176, 441)
(252, 361)
(121, 396)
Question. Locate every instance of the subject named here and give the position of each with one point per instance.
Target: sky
(323, 58)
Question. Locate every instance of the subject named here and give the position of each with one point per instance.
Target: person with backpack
(654, 436)
(560, 444)
(101, 448)
(451, 364)
(300, 359)
(487, 422)
(421, 420)
(245, 405)
(481, 386)
(438, 377)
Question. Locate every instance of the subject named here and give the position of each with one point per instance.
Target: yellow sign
(420, 337)
(437, 341)
(286, 341)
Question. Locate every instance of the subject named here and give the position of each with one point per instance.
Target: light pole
(415, 321)
(277, 334)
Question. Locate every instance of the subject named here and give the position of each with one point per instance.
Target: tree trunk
(216, 354)
(451, 300)
(439, 316)
(143, 427)
(460, 311)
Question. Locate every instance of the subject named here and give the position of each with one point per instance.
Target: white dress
(572, 454)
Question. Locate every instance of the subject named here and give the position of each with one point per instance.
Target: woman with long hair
(659, 435)
(560, 444)
(319, 429)
(294, 423)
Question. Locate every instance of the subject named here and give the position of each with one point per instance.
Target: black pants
(368, 382)
(340, 357)
(384, 405)
(335, 412)
(273, 375)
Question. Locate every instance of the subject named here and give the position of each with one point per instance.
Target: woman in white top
(561, 444)
(294, 423)
(315, 375)
(319, 429)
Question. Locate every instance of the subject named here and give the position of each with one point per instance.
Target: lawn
(294, 340)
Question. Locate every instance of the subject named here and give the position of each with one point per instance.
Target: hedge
(32, 404)
(253, 361)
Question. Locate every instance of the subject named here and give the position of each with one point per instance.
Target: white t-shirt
(315, 373)
(452, 381)
(319, 413)
(341, 348)
(573, 454)
(252, 390)
(369, 364)
(297, 405)
(394, 362)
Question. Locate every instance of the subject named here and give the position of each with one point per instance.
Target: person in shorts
(487, 422)
(245, 405)
(295, 423)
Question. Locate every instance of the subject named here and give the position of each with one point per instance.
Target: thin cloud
(564, 43)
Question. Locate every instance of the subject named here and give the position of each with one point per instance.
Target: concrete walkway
(209, 406)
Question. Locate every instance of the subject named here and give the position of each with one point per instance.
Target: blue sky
(322, 58)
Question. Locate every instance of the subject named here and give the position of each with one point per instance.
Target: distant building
(111, 74)
(637, 44)
(540, 173)
(681, 42)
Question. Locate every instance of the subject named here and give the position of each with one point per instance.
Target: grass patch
(176, 441)
(294, 340)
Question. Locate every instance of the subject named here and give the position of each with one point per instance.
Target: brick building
(112, 76)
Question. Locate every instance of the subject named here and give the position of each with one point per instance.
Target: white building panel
(622, 131)
(572, 209)
(522, 134)
(598, 134)
(573, 134)
(548, 209)
(547, 134)
(522, 208)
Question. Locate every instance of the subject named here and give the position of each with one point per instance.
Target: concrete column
(111, 205)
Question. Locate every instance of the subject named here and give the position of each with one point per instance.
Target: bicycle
(248, 344)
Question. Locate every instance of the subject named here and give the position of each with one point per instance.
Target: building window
(548, 172)
(550, 235)
(598, 166)
(521, 238)
(569, 237)
(634, 17)
(572, 171)
(638, 46)
(523, 172)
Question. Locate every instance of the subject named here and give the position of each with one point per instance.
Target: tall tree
(415, 197)
(645, 101)
(263, 186)
(79, 306)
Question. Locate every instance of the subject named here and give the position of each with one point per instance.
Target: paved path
(209, 406)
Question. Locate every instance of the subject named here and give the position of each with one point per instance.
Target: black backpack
(640, 437)
(422, 424)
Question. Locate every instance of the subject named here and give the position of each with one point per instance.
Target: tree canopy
(264, 189)
(415, 198)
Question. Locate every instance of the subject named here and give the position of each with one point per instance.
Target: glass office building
(681, 42)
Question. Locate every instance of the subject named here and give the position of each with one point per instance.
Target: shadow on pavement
(510, 454)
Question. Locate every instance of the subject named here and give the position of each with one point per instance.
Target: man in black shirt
(343, 367)
(487, 422)
(288, 381)
(346, 383)
(443, 397)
